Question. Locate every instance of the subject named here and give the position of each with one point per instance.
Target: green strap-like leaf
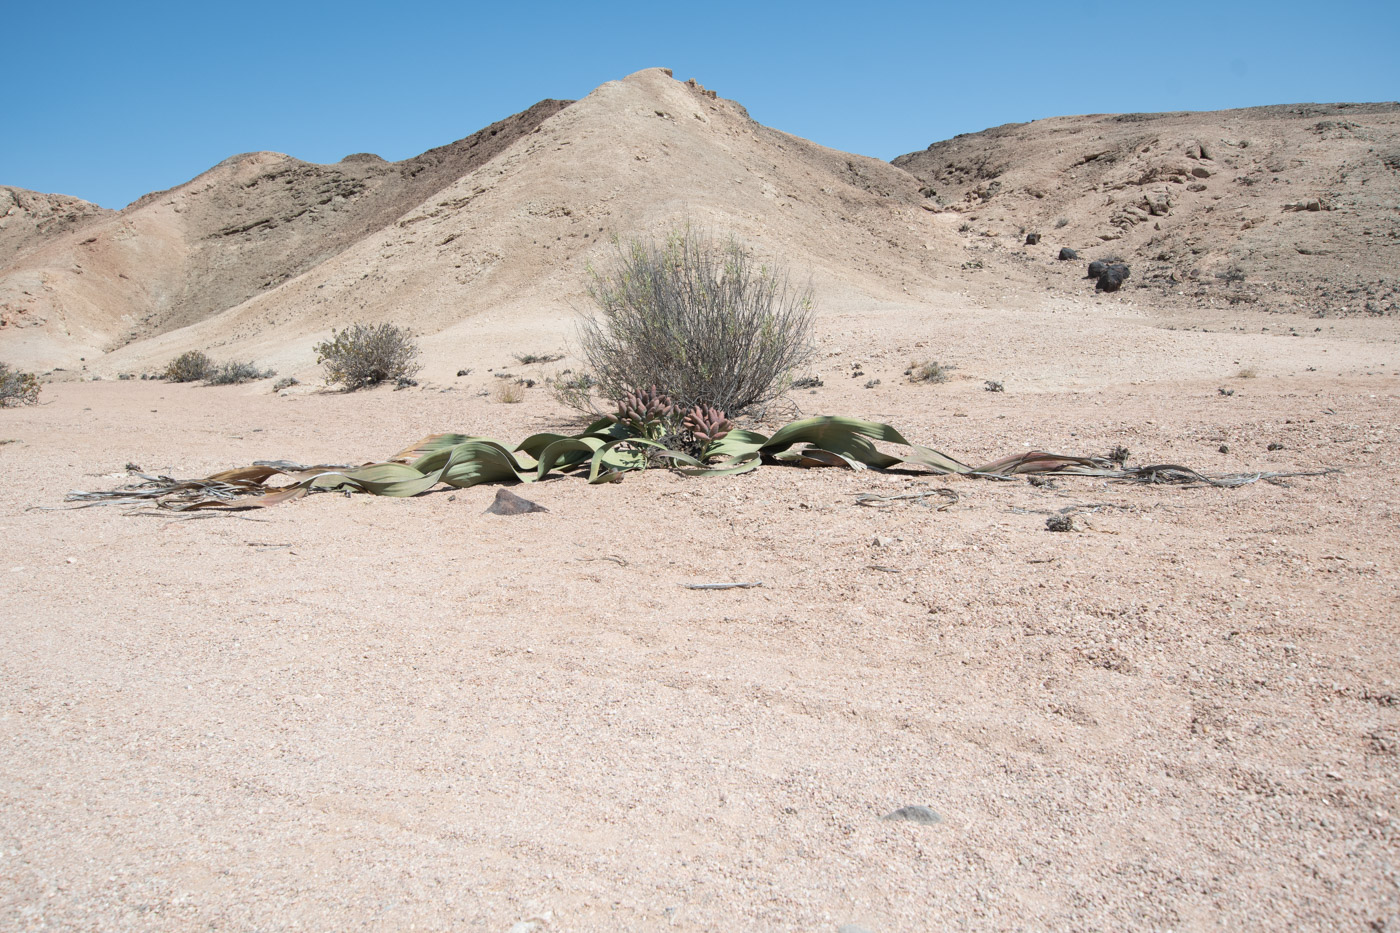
(849, 438)
(605, 449)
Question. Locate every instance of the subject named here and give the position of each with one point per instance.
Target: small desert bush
(365, 355)
(286, 382)
(190, 366)
(17, 388)
(233, 373)
(698, 317)
(1249, 372)
(509, 392)
(528, 358)
(929, 371)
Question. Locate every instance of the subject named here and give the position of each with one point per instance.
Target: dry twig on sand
(1185, 476)
(877, 500)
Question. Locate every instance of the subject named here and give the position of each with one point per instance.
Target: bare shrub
(17, 388)
(233, 373)
(190, 366)
(509, 392)
(365, 355)
(698, 317)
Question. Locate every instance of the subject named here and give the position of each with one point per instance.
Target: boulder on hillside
(1112, 278)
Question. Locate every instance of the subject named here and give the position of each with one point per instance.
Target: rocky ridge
(29, 219)
(1284, 207)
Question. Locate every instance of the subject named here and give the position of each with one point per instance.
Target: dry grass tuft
(929, 371)
(233, 373)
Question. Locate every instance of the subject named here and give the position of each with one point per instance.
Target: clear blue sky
(110, 100)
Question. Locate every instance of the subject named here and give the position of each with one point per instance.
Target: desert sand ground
(382, 714)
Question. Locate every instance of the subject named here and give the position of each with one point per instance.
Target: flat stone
(508, 503)
(915, 814)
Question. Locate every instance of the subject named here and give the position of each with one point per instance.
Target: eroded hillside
(29, 219)
(1283, 207)
(176, 257)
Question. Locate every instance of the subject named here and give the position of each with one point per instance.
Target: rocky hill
(1283, 207)
(104, 279)
(263, 252)
(1289, 208)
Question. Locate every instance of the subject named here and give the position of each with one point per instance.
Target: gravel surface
(361, 713)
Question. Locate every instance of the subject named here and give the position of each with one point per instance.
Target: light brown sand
(359, 713)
